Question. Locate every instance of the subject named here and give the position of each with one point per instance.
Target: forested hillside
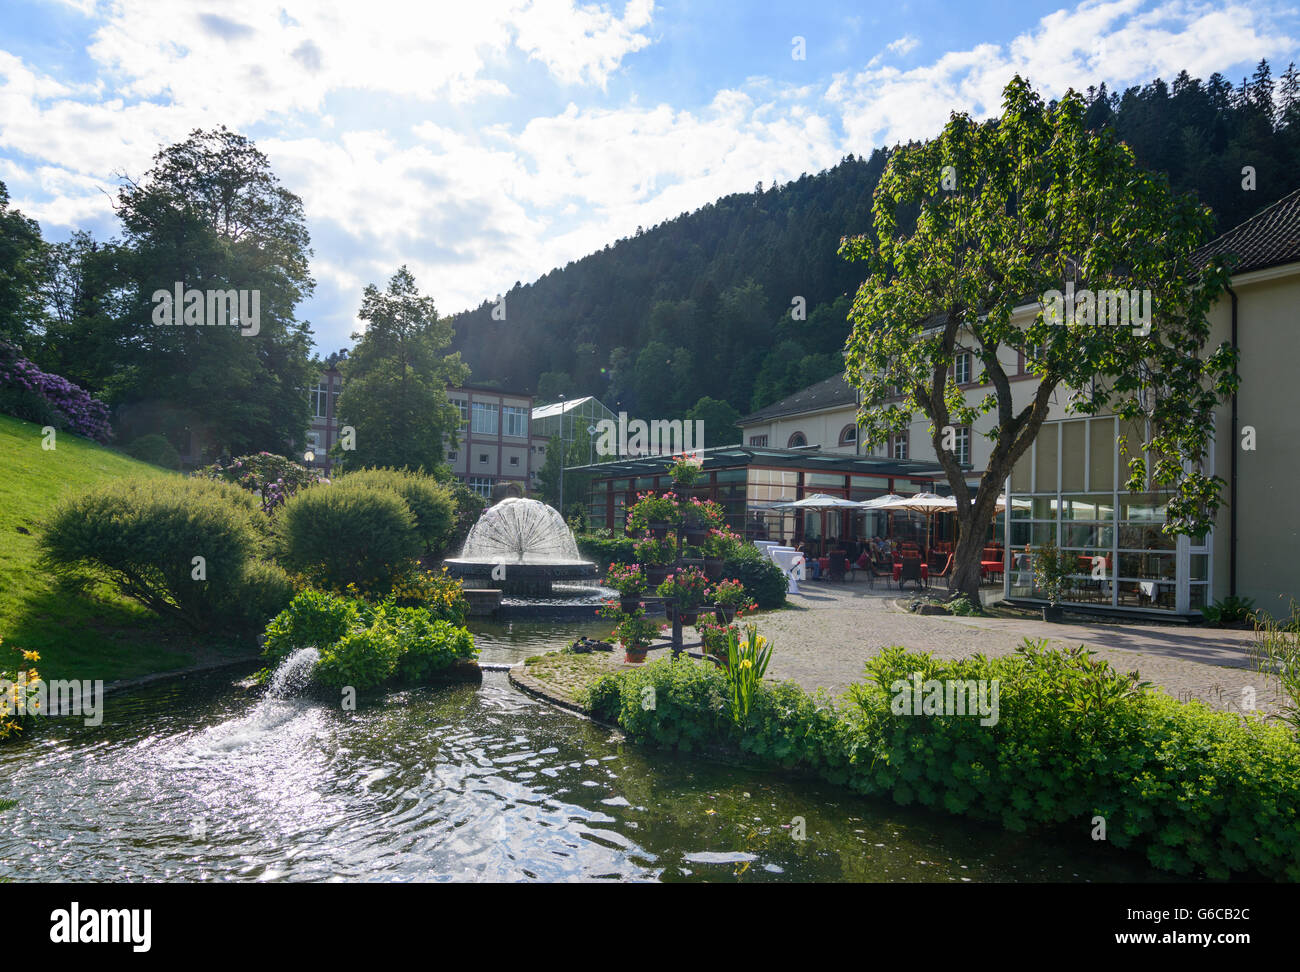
(701, 305)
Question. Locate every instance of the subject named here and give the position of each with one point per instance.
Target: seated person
(810, 561)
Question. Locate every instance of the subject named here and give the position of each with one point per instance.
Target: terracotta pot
(634, 656)
(713, 567)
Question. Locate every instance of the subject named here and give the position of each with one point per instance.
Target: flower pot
(713, 567)
(634, 656)
(690, 615)
(1053, 612)
(696, 534)
(630, 603)
(655, 574)
(696, 562)
(725, 614)
(659, 529)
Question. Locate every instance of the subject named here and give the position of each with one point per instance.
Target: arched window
(797, 441)
(849, 435)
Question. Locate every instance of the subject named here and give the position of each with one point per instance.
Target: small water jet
(521, 546)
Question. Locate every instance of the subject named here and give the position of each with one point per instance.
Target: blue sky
(484, 143)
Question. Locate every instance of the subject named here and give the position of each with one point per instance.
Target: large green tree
(22, 270)
(395, 381)
(1037, 202)
(212, 215)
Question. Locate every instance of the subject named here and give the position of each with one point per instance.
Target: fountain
(521, 546)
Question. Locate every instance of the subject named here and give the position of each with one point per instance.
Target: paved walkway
(830, 630)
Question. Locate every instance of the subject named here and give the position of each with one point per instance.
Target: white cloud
(903, 45)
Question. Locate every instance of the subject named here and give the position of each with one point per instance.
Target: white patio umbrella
(925, 503)
(820, 502)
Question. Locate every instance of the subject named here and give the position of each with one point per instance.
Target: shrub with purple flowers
(32, 394)
(274, 477)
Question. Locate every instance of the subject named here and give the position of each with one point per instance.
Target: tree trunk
(965, 577)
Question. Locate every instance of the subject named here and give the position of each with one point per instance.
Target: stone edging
(540, 690)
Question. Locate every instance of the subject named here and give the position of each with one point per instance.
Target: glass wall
(1071, 489)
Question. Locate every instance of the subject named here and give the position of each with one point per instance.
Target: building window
(318, 397)
(961, 368)
(898, 445)
(849, 435)
(482, 457)
(962, 450)
(514, 460)
(514, 422)
(462, 406)
(481, 485)
(451, 455)
(758, 440)
(797, 441)
(483, 419)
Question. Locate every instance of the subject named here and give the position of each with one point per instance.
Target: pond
(199, 780)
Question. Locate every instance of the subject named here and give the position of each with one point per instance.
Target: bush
(313, 619)
(364, 658)
(433, 504)
(145, 536)
(342, 535)
(469, 507)
(425, 645)
(267, 591)
(604, 549)
(436, 591)
(154, 449)
(1199, 790)
(67, 406)
(764, 581)
(272, 478)
(1231, 610)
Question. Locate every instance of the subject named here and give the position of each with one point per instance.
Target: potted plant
(1052, 569)
(630, 582)
(701, 517)
(635, 633)
(685, 469)
(720, 544)
(713, 640)
(683, 592)
(656, 514)
(655, 554)
(729, 597)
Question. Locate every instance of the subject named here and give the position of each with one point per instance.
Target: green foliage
(961, 606)
(1200, 791)
(395, 381)
(313, 619)
(272, 478)
(1036, 201)
(1275, 652)
(364, 646)
(436, 591)
(747, 661)
(601, 548)
(719, 420)
(469, 507)
(685, 588)
(347, 534)
(143, 535)
(653, 508)
(432, 503)
(1052, 570)
(763, 580)
(155, 448)
(22, 272)
(1230, 610)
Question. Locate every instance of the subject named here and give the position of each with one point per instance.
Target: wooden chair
(911, 571)
(947, 568)
(880, 568)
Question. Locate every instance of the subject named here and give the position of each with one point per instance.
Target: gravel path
(829, 631)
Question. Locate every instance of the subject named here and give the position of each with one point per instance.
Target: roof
(835, 391)
(729, 457)
(1268, 239)
(559, 408)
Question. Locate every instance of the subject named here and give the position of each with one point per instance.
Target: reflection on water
(198, 780)
(513, 641)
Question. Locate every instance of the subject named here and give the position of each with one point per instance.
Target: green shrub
(364, 658)
(432, 503)
(340, 535)
(436, 591)
(313, 619)
(764, 581)
(1198, 790)
(267, 591)
(603, 549)
(424, 645)
(154, 448)
(1230, 610)
(31, 405)
(145, 536)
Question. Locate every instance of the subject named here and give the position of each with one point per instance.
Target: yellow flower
(746, 663)
(31, 656)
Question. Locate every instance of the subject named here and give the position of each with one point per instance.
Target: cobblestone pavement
(829, 631)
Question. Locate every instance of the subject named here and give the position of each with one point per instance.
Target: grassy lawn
(85, 632)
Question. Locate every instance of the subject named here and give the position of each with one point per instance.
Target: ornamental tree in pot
(1052, 570)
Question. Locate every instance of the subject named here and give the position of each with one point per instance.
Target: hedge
(1197, 790)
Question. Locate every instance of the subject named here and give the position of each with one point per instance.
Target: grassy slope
(88, 632)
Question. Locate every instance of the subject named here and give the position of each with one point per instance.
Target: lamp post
(564, 447)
